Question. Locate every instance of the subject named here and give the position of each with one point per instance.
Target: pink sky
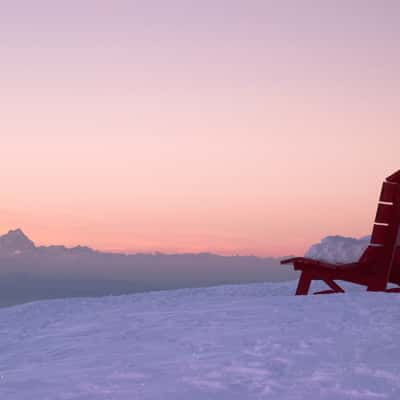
(233, 127)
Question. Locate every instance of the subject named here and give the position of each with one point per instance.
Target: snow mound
(231, 342)
(338, 249)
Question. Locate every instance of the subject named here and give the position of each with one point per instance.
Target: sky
(234, 127)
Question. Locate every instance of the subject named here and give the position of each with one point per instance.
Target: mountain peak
(17, 232)
(15, 242)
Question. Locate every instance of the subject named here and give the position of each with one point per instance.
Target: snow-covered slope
(230, 342)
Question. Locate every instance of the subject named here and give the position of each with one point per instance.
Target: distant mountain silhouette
(15, 242)
(29, 272)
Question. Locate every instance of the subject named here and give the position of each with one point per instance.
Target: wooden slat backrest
(385, 239)
(395, 178)
(384, 213)
(388, 192)
(371, 255)
(394, 276)
(387, 219)
(379, 234)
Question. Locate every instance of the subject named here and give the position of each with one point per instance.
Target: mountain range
(29, 272)
(16, 243)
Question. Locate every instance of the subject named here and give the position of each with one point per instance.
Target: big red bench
(380, 262)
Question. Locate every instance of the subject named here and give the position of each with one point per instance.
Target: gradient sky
(237, 127)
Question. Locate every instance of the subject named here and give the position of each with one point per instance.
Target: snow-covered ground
(230, 342)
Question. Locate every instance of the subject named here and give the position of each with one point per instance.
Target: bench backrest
(383, 253)
(394, 273)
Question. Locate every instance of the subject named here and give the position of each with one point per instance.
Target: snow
(338, 249)
(231, 342)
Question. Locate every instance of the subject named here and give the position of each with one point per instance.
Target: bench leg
(333, 285)
(393, 290)
(304, 284)
(377, 286)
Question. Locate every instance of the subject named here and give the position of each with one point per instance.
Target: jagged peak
(15, 241)
(16, 232)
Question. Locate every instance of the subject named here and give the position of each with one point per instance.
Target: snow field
(230, 342)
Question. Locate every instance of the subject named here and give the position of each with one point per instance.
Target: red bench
(380, 262)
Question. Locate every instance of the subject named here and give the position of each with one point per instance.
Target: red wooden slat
(371, 254)
(304, 284)
(388, 192)
(333, 285)
(379, 234)
(394, 177)
(397, 234)
(384, 214)
(396, 260)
